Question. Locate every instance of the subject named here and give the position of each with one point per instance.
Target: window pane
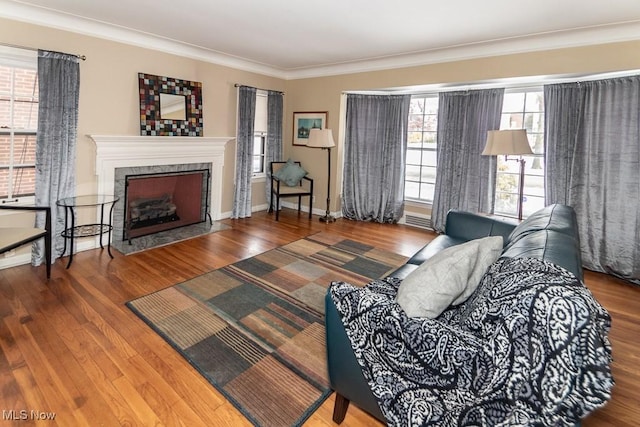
(18, 122)
(5, 112)
(428, 175)
(257, 164)
(536, 140)
(513, 102)
(535, 165)
(416, 106)
(534, 185)
(421, 156)
(411, 190)
(534, 122)
(4, 183)
(506, 203)
(430, 139)
(427, 191)
(431, 123)
(412, 173)
(413, 157)
(25, 114)
(534, 102)
(257, 145)
(429, 158)
(5, 80)
(431, 105)
(414, 137)
(416, 122)
(512, 121)
(5, 149)
(24, 149)
(24, 182)
(531, 204)
(26, 83)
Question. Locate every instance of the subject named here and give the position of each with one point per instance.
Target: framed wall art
(303, 122)
(169, 107)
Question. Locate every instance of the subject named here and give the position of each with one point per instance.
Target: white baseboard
(25, 258)
(284, 204)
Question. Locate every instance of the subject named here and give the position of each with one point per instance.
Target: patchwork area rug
(255, 329)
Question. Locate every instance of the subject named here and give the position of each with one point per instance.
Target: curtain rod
(266, 90)
(35, 50)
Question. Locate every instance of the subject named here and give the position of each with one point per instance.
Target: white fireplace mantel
(116, 151)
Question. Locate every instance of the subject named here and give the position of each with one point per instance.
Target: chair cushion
(14, 236)
(290, 174)
(448, 277)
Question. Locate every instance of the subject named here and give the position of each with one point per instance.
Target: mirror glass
(173, 107)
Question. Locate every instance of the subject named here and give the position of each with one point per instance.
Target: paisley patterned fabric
(529, 347)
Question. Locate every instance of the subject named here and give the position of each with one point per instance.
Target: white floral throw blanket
(529, 347)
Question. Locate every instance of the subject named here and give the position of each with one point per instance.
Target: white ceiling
(295, 39)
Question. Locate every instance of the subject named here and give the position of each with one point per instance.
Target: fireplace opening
(155, 202)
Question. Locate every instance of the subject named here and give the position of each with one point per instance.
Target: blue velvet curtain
(375, 152)
(244, 152)
(465, 179)
(59, 90)
(593, 164)
(273, 149)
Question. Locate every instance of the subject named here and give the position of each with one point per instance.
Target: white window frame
(24, 59)
(528, 177)
(423, 150)
(513, 172)
(260, 131)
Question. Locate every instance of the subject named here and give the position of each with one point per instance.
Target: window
(522, 108)
(260, 135)
(259, 141)
(18, 123)
(420, 175)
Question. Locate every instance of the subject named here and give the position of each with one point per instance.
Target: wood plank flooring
(70, 347)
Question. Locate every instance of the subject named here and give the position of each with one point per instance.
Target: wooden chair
(13, 237)
(280, 189)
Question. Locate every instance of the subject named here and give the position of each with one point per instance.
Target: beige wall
(320, 94)
(109, 102)
(109, 91)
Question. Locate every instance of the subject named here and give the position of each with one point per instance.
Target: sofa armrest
(345, 374)
(469, 226)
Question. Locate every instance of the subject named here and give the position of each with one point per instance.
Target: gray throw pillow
(447, 278)
(290, 174)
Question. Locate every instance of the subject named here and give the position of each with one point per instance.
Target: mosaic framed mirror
(169, 106)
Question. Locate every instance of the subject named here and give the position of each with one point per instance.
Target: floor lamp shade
(510, 142)
(323, 138)
(507, 142)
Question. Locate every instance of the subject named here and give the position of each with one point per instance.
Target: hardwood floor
(70, 347)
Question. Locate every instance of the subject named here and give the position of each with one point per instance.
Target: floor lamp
(510, 142)
(323, 138)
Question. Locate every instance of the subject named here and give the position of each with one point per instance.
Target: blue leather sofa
(550, 234)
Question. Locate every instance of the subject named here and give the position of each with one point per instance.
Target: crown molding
(62, 21)
(619, 32)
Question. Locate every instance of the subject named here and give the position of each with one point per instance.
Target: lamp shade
(321, 138)
(509, 141)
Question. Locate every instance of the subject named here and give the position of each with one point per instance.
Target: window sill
(261, 177)
(21, 201)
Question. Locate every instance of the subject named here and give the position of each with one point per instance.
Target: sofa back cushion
(464, 226)
(559, 218)
(550, 234)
